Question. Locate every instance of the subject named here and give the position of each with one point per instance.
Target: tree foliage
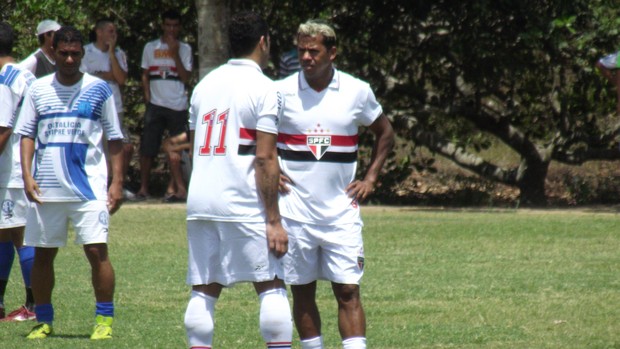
(454, 76)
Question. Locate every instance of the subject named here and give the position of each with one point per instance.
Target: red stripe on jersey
(246, 133)
(158, 68)
(336, 140)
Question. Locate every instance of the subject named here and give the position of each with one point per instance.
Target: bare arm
(173, 47)
(267, 180)
(27, 154)
(146, 86)
(115, 192)
(384, 142)
(118, 74)
(5, 135)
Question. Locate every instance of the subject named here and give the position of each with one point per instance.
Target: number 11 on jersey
(210, 119)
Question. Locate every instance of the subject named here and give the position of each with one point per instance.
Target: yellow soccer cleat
(40, 331)
(103, 328)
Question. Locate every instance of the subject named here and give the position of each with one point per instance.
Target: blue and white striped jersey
(14, 82)
(68, 124)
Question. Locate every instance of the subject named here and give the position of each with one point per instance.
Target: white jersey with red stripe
(227, 107)
(318, 142)
(167, 90)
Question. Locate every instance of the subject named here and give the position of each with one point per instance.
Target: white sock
(354, 343)
(312, 343)
(199, 320)
(276, 324)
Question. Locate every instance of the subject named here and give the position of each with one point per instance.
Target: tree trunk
(531, 182)
(212, 34)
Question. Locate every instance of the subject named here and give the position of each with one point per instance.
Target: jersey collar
(334, 84)
(244, 62)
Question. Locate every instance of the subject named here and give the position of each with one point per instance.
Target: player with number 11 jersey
(223, 187)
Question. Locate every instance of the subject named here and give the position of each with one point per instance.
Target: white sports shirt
(14, 82)
(96, 61)
(227, 108)
(67, 123)
(317, 144)
(166, 88)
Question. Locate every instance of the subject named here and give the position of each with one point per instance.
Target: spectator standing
(167, 65)
(41, 62)
(317, 143)
(108, 62)
(62, 123)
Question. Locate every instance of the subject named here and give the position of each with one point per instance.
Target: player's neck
(320, 82)
(6, 60)
(69, 80)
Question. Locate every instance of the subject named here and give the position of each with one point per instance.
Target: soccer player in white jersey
(14, 82)
(233, 222)
(62, 122)
(317, 143)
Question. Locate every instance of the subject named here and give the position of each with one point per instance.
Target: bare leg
(305, 311)
(43, 274)
(146, 163)
(102, 271)
(351, 318)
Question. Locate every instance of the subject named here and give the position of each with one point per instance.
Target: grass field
(434, 279)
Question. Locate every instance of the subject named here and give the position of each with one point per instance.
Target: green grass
(434, 279)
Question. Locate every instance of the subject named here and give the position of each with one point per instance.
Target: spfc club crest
(360, 262)
(318, 145)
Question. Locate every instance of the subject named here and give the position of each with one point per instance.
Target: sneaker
(103, 328)
(21, 314)
(40, 331)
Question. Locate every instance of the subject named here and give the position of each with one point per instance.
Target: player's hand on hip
(285, 181)
(277, 238)
(359, 190)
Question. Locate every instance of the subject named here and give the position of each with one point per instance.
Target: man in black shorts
(167, 64)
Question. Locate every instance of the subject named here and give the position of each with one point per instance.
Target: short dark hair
(102, 22)
(7, 37)
(171, 14)
(244, 32)
(67, 34)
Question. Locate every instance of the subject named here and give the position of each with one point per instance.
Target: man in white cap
(41, 62)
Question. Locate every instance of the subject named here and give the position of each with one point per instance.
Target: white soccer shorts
(229, 252)
(14, 208)
(47, 224)
(323, 252)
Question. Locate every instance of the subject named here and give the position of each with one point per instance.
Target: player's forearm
(5, 135)
(115, 149)
(26, 156)
(383, 145)
(268, 175)
(118, 74)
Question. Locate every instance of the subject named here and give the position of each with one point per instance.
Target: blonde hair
(315, 27)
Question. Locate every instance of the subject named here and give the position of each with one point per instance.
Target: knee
(347, 294)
